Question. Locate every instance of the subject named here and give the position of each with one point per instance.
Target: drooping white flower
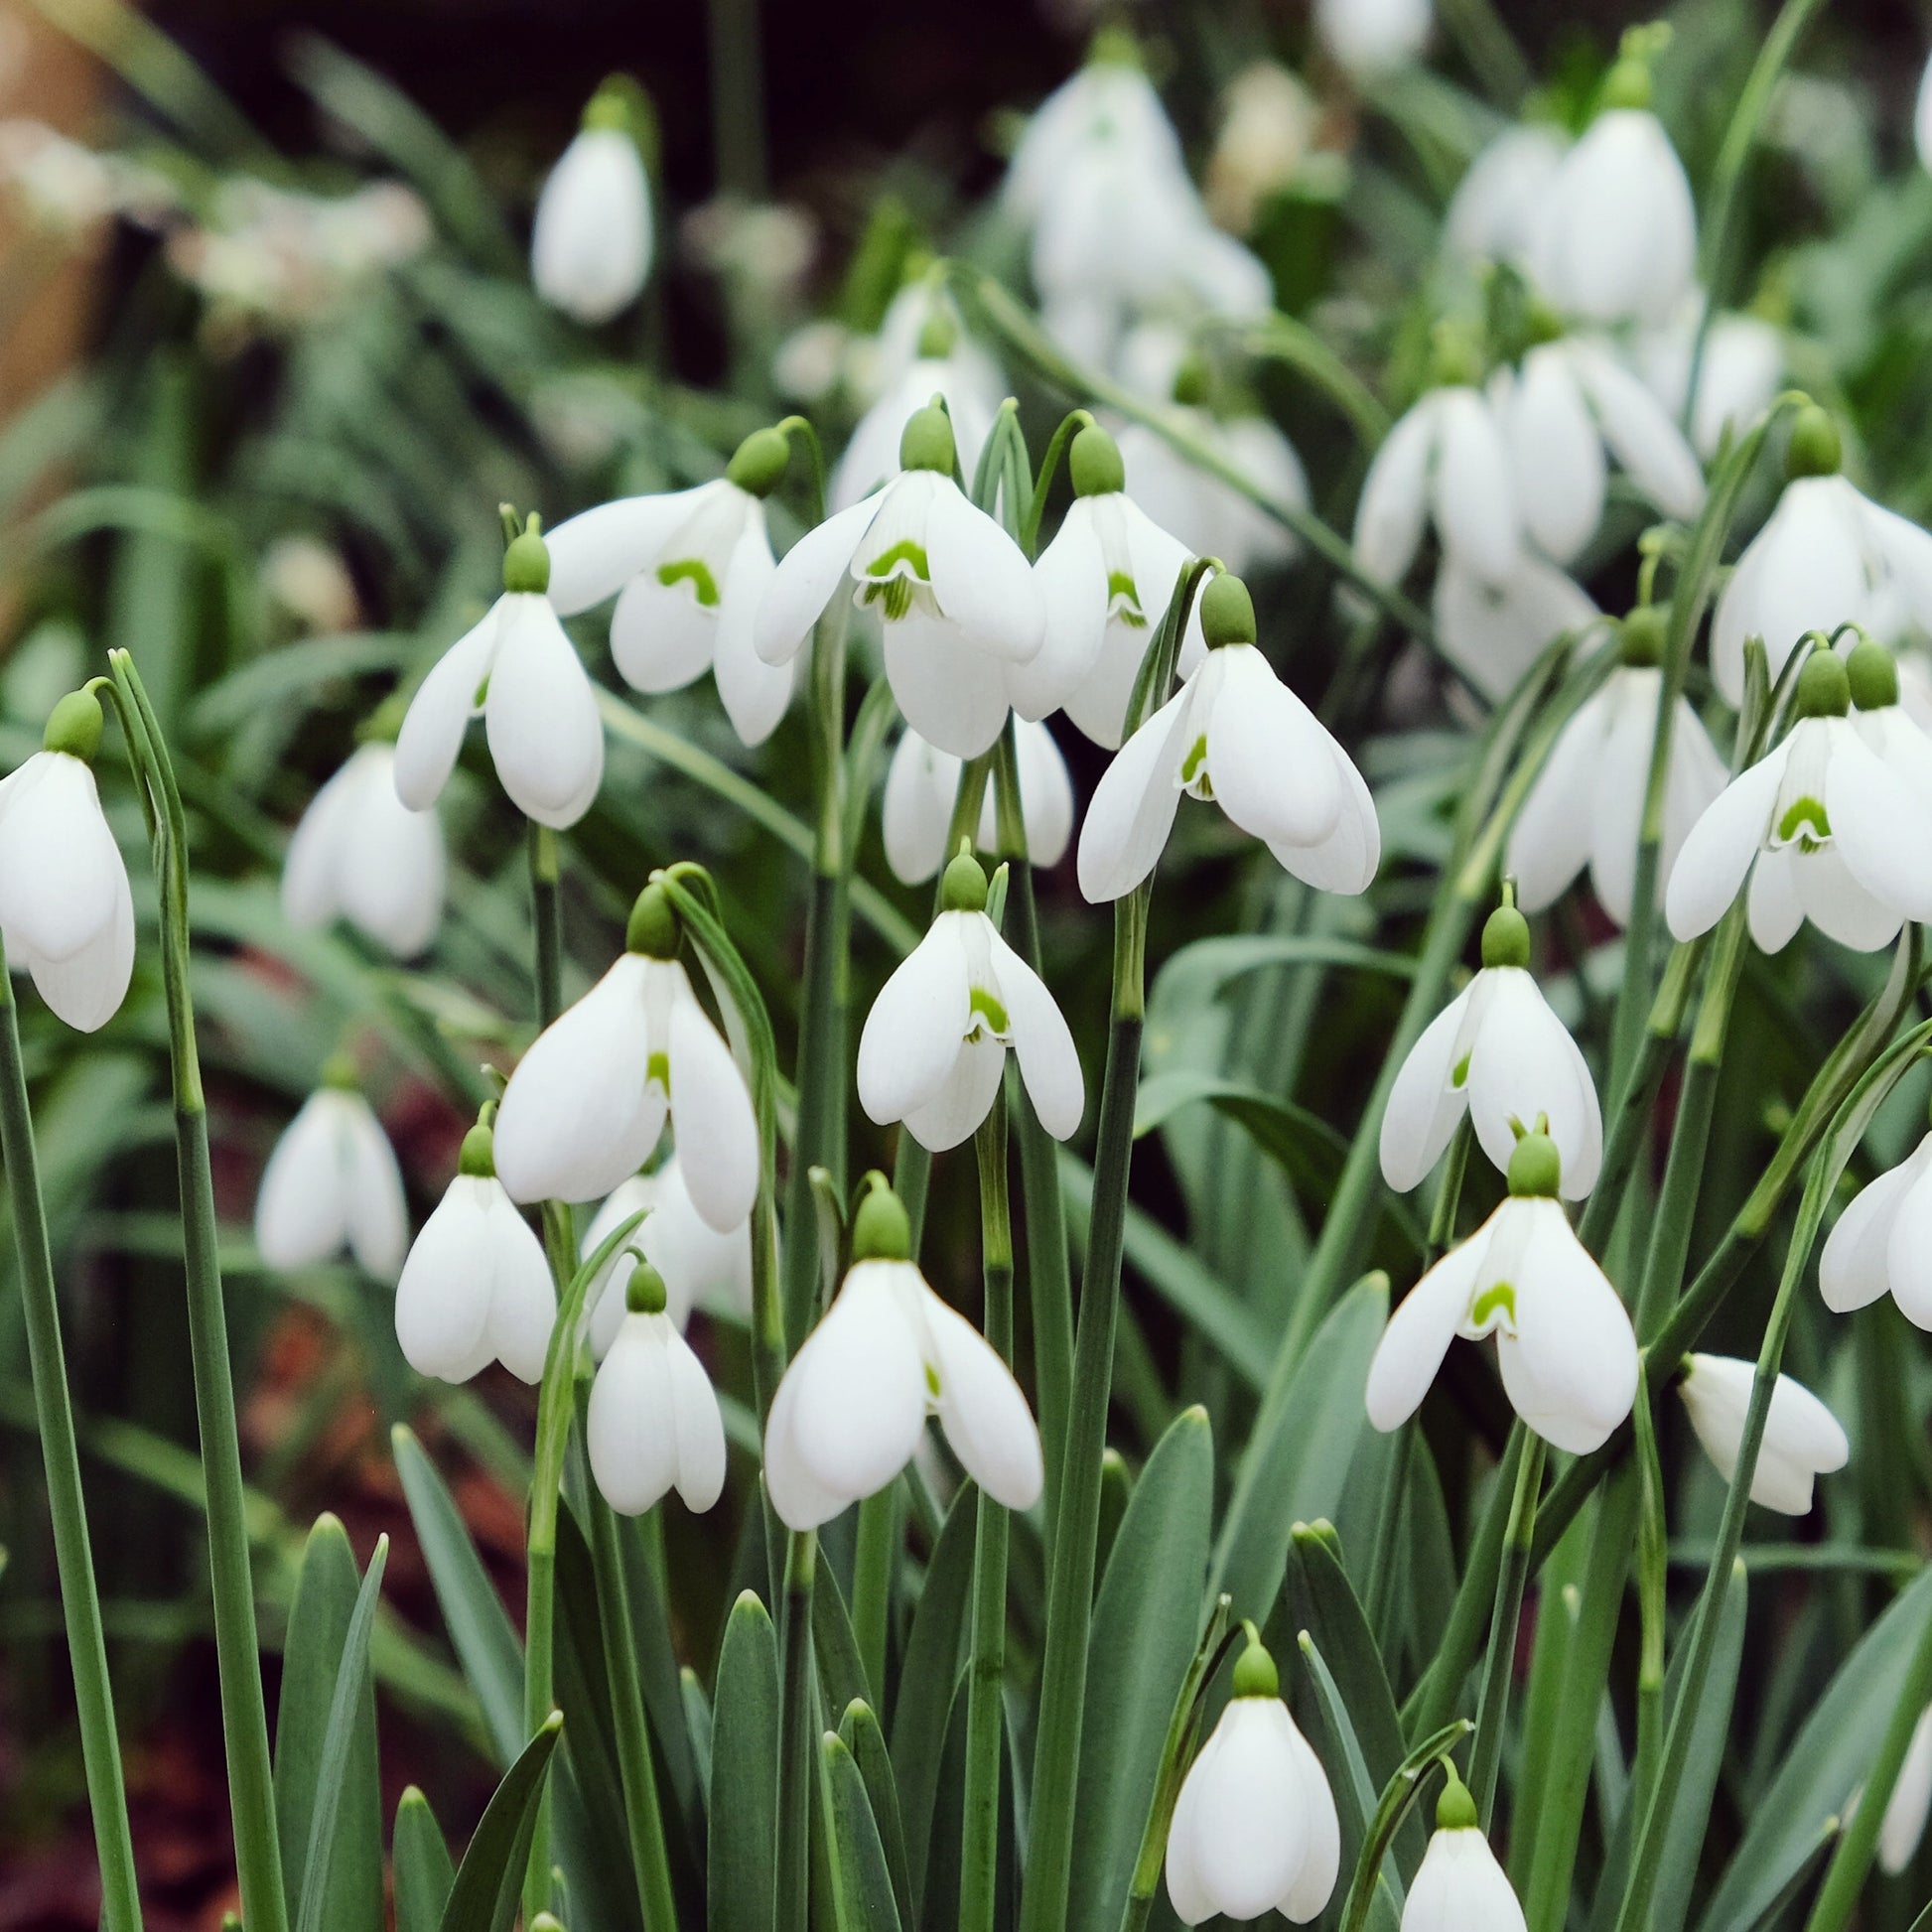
(1824, 828)
(701, 1267)
(1922, 118)
(1911, 1797)
(956, 594)
(653, 1423)
(587, 1103)
(934, 1044)
(1269, 124)
(922, 781)
(1493, 632)
(1742, 368)
(66, 914)
(1829, 556)
(1565, 414)
(689, 570)
(1497, 1054)
(477, 1287)
(331, 1185)
(1585, 807)
(1460, 1886)
(1207, 517)
(1255, 1828)
(358, 853)
(1564, 1341)
(850, 1409)
(518, 671)
(1235, 735)
(1882, 1243)
(1373, 37)
(1497, 207)
(591, 245)
(1802, 1438)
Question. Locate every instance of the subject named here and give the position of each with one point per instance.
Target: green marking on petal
(1500, 1295)
(932, 1382)
(905, 551)
(692, 571)
(659, 1068)
(1459, 1078)
(1194, 768)
(985, 1007)
(1122, 588)
(482, 692)
(1805, 812)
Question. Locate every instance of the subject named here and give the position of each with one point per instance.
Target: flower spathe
(66, 914)
(587, 1102)
(522, 675)
(331, 1185)
(360, 854)
(957, 596)
(689, 570)
(1564, 1341)
(1499, 1054)
(477, 1287)
(1882, 1243)
(1460, 1886)
(934, 1044)
(1255, 1828)
(922, 781)
(1235, 735)
(592, 240)
(1802, 1438)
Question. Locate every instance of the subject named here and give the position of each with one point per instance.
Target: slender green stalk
(547, 919)
(797, 1760)
(1490, 48)
(738, 97)
(1398, 1798)
(94, 1692)
(980, 1829)
(1653, 1565)
(244, 1717)
(872, 1585)
(1493, 1709)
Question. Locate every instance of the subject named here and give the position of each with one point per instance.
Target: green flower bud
(963, 889)
(1228, 612)
(1815, 449)
(645, 1292)
(74, 727)
(1456, 1810)
(606, 110)
(1535, 1167)
(1255, 1675)
(1191, 382)
(880, 1229)
(479, 1156)
(652, 928)
(1114, 46)
(1454, 360)
(1627, 85)
(1505, 939)
(926, 442)
(1641, 637)
(759, 466)
(938, 335)
(526, 563)
(1823, 687)
(1872, 675)
(1094, 464)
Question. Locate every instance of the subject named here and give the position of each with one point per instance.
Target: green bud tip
(479, 1156)
(605, 113)
(338, 1074)
(1506, 938)
(938, 335)
(1535, 1167)
(1872, 675)
(645, 1292)
(1824, 686)
(1255, 1675)
(1455, 1809)
(1190, 381)
(1544, 322)
(963, 889)
(1114, 46)
(1627, 85)
(926, 442)
(1094, 464)
(1815, 449)
(880, 1229)
(1228, 612)
(652, 928)
(1455, 360)
(759, 466)
(74, 727)
(1642, 639)
(526, 563)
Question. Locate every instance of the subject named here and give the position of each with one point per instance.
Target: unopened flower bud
(74, 727)
(759, 466)
(1228, 612)
(652, 928)
(927, 443)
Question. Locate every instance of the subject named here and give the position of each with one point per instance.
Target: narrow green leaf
(841, 1676)
(744, 1844)
(425, 1873)
(490, 1877)
(1116, 1492)
(1356, 1803)
(697, 1722)
(867, 1900)
(859, 1731)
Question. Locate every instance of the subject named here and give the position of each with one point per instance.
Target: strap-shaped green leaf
(744, 1843)
(425, 1871)
(488, 1882)
(865, 1900)
(860, 1734)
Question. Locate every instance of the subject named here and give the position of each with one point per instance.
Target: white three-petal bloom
(1912, 1798)
(922, 781)
(66, 914)
(1802, 1438)
(1460, 1886)
(1493, 632)
(1499, 1054)
(1738, 379)
(957, 596)
(587, 1103)
(935, 1042)
(591, 245)
(1564, 1341)
(689, 571)
(522, 675)
(1445, 461)
(1236, 734)
(1884, 1242)
(477, 1287)
(1207, 516)
(653, 1422)
(333, 1183)
(1496, 212)
(1372, 36)
(360, 854)
(943, 367)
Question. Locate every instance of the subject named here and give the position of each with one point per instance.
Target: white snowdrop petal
(860, 1393)
(310, 897)
(522, 1293)
(1314, 1883)
(603, 1299)
(1908, 1255)
(951, 693)
(1461, 1887)
(1393, 507)
(1472, 495)
(802, 1501)
(913, 1032)
(806, 576)
(1775, 911)
(982, 578)
(1879, 826)
(302, 1210)
(1418, 1334)
(376, 1215)
(701, 1265)
(1617, 240)
(629, 1433)
(62, 869)
(916, 811)
(1346, 860)
(1187, 1890)
(440, 713)
(1851, 1270)
(711, 1113)
(962, 1100)
(1836, 904)
(1493, 632)
(697, 1426)
(982, 1411)
(1426, 1101)
(443, 1294)
(593, 554)
(592, 239)
(1720, 850)
(663, 636)
(1641, 434)
(1523, 1063)
(1252, 1837)
(1551, 839)
(389, 862)
(1070, 580)
(755, 694)
(546, 738)
(1049, 1063)
(85, 990)
(1614, 817)
(1911, 1797)
(1132, 809)
(1046, 796)
(1556, 455)
(1266, 754)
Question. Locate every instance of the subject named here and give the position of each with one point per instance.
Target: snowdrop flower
(653, 1422)
(1493, 632)
(1206, 516)
(922, 781)
(66, 914)
(934, 1044)
(1568, 410)
(1459, 1883)
(331, 1185)
(1617, 238)
(688, 569)
(1371, 37)
(477, 1287)
(1564, 1341)
(1829, 556)
(957, 596)
(850, 1409)
(1883, 1243)
(1911, 1797)
(358, 853)
(1822, 825)
(589, 1100)
(1268, 127)
(1585, 807)
(1802, 1438)
(1743, 367)
(518, 671)
(1882, 719)
(938, 369)
(1236, 736)
(1497, 210)
(1497, 1054)
(700, 1266)
(1255, 1828)
(591, 246)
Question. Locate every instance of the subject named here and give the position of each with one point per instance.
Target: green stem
(1490, 50)
(67, 1507)
(1513, 1575)
(797, 1759)
(872, 1585)
(547, 919)
(1653, 1565)
(738, 99)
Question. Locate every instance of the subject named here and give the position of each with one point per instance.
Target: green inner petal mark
(692, 571)
(896, 595)
(985, 1007)
(1802, 813)
(482, 692)
(905, 551)
(1194, 768)
(932, 1382)
(1461, 1073)
(1502, 1296)
(659, 1068)
(1122, 586)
